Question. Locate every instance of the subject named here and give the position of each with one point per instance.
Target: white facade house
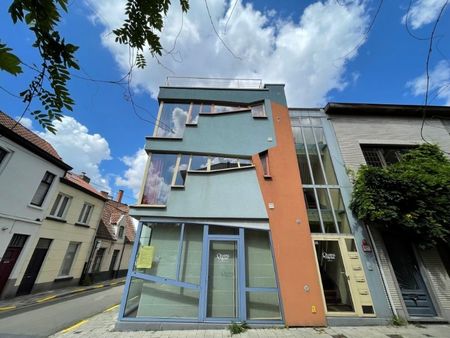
(29, 171)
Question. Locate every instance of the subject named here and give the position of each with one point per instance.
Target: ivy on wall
(410, 199)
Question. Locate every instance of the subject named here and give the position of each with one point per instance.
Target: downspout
(88, 264)
(383, 276)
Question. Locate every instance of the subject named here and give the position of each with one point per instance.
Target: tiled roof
(115, 212)
(77, 180)
(27, 135)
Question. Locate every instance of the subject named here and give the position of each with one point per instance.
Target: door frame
(357, 306)
(240, 282)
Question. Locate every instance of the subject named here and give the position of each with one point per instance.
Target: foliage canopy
(410, 198)
(144, 19)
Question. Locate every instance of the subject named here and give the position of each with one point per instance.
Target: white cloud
(439, 86)
(423, 12)
(25, 121)
(132, 177)
(309, 54)
(80, 149)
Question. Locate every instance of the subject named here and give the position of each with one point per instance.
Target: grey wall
(352, 131)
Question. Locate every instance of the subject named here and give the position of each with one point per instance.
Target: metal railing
(210, 82)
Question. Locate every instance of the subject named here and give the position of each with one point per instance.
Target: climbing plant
(410, 198)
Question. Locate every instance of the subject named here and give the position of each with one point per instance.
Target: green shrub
(236, 328)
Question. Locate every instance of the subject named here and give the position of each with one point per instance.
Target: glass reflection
(159, 179)
(172, 119)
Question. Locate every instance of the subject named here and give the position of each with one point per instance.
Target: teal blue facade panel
(224, 194)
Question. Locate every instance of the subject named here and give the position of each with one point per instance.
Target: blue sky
(318, 48)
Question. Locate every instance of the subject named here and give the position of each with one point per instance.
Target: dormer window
(121, 231)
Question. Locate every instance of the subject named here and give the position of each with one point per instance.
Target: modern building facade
(243, 216)
(29, 171)
(417, 281)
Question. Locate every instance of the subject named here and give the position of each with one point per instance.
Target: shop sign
(329, 257)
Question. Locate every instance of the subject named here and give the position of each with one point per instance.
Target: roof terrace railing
(210, 82)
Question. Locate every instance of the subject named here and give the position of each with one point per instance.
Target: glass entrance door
(222, 299)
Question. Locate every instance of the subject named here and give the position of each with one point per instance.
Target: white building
(29, 171)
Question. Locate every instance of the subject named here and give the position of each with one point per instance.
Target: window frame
(265, 163)
(75, 254)
(380, 151)
(58, 204)
(5, 159)
(121, 232)
(83, 214)
(48, 176)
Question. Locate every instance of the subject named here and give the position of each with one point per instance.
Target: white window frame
(4, 161)
(83, 215)
(58, 204)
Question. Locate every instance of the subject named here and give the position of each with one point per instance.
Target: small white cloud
(132, 177)
(25, 121)
(80, 149)
(423, 12)
(308, 53)
(439, 85)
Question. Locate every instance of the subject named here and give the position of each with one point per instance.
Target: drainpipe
(383, 276)
(88, 264)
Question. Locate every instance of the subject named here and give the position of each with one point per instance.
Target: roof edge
(79, 187)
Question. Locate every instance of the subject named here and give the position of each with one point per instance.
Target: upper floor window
(42, 190)
(383, 155)
(85, 213)
(121, 231)
(170, 170)
(60, 206)
(264, 157)
(173, 116)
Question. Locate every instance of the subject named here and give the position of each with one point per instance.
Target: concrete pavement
(102, 325)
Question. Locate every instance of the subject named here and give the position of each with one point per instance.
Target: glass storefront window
(158, 250)
(159, 179)
(191, 255)
(263, 306)
(150, 299)
(259, 262)
(172, 119)
(334, 277)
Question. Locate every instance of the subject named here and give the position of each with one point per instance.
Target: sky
(333, 50)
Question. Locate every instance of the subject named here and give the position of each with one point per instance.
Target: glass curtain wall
(195, 272)
(326, 211)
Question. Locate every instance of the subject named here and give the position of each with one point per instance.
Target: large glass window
(383, 155)
(326, 210)
(259, 263)
(159, 179)
(150, 299)
(263, 306)
(172, 119)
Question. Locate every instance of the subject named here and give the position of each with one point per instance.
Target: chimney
(84, 177)
(104, 194)
(119, 196)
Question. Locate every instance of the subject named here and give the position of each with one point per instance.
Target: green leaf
(8, 61)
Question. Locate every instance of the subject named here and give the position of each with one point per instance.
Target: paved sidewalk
(13, 304)
(102, 325)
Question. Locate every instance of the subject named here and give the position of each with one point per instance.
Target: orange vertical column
(298, 277)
